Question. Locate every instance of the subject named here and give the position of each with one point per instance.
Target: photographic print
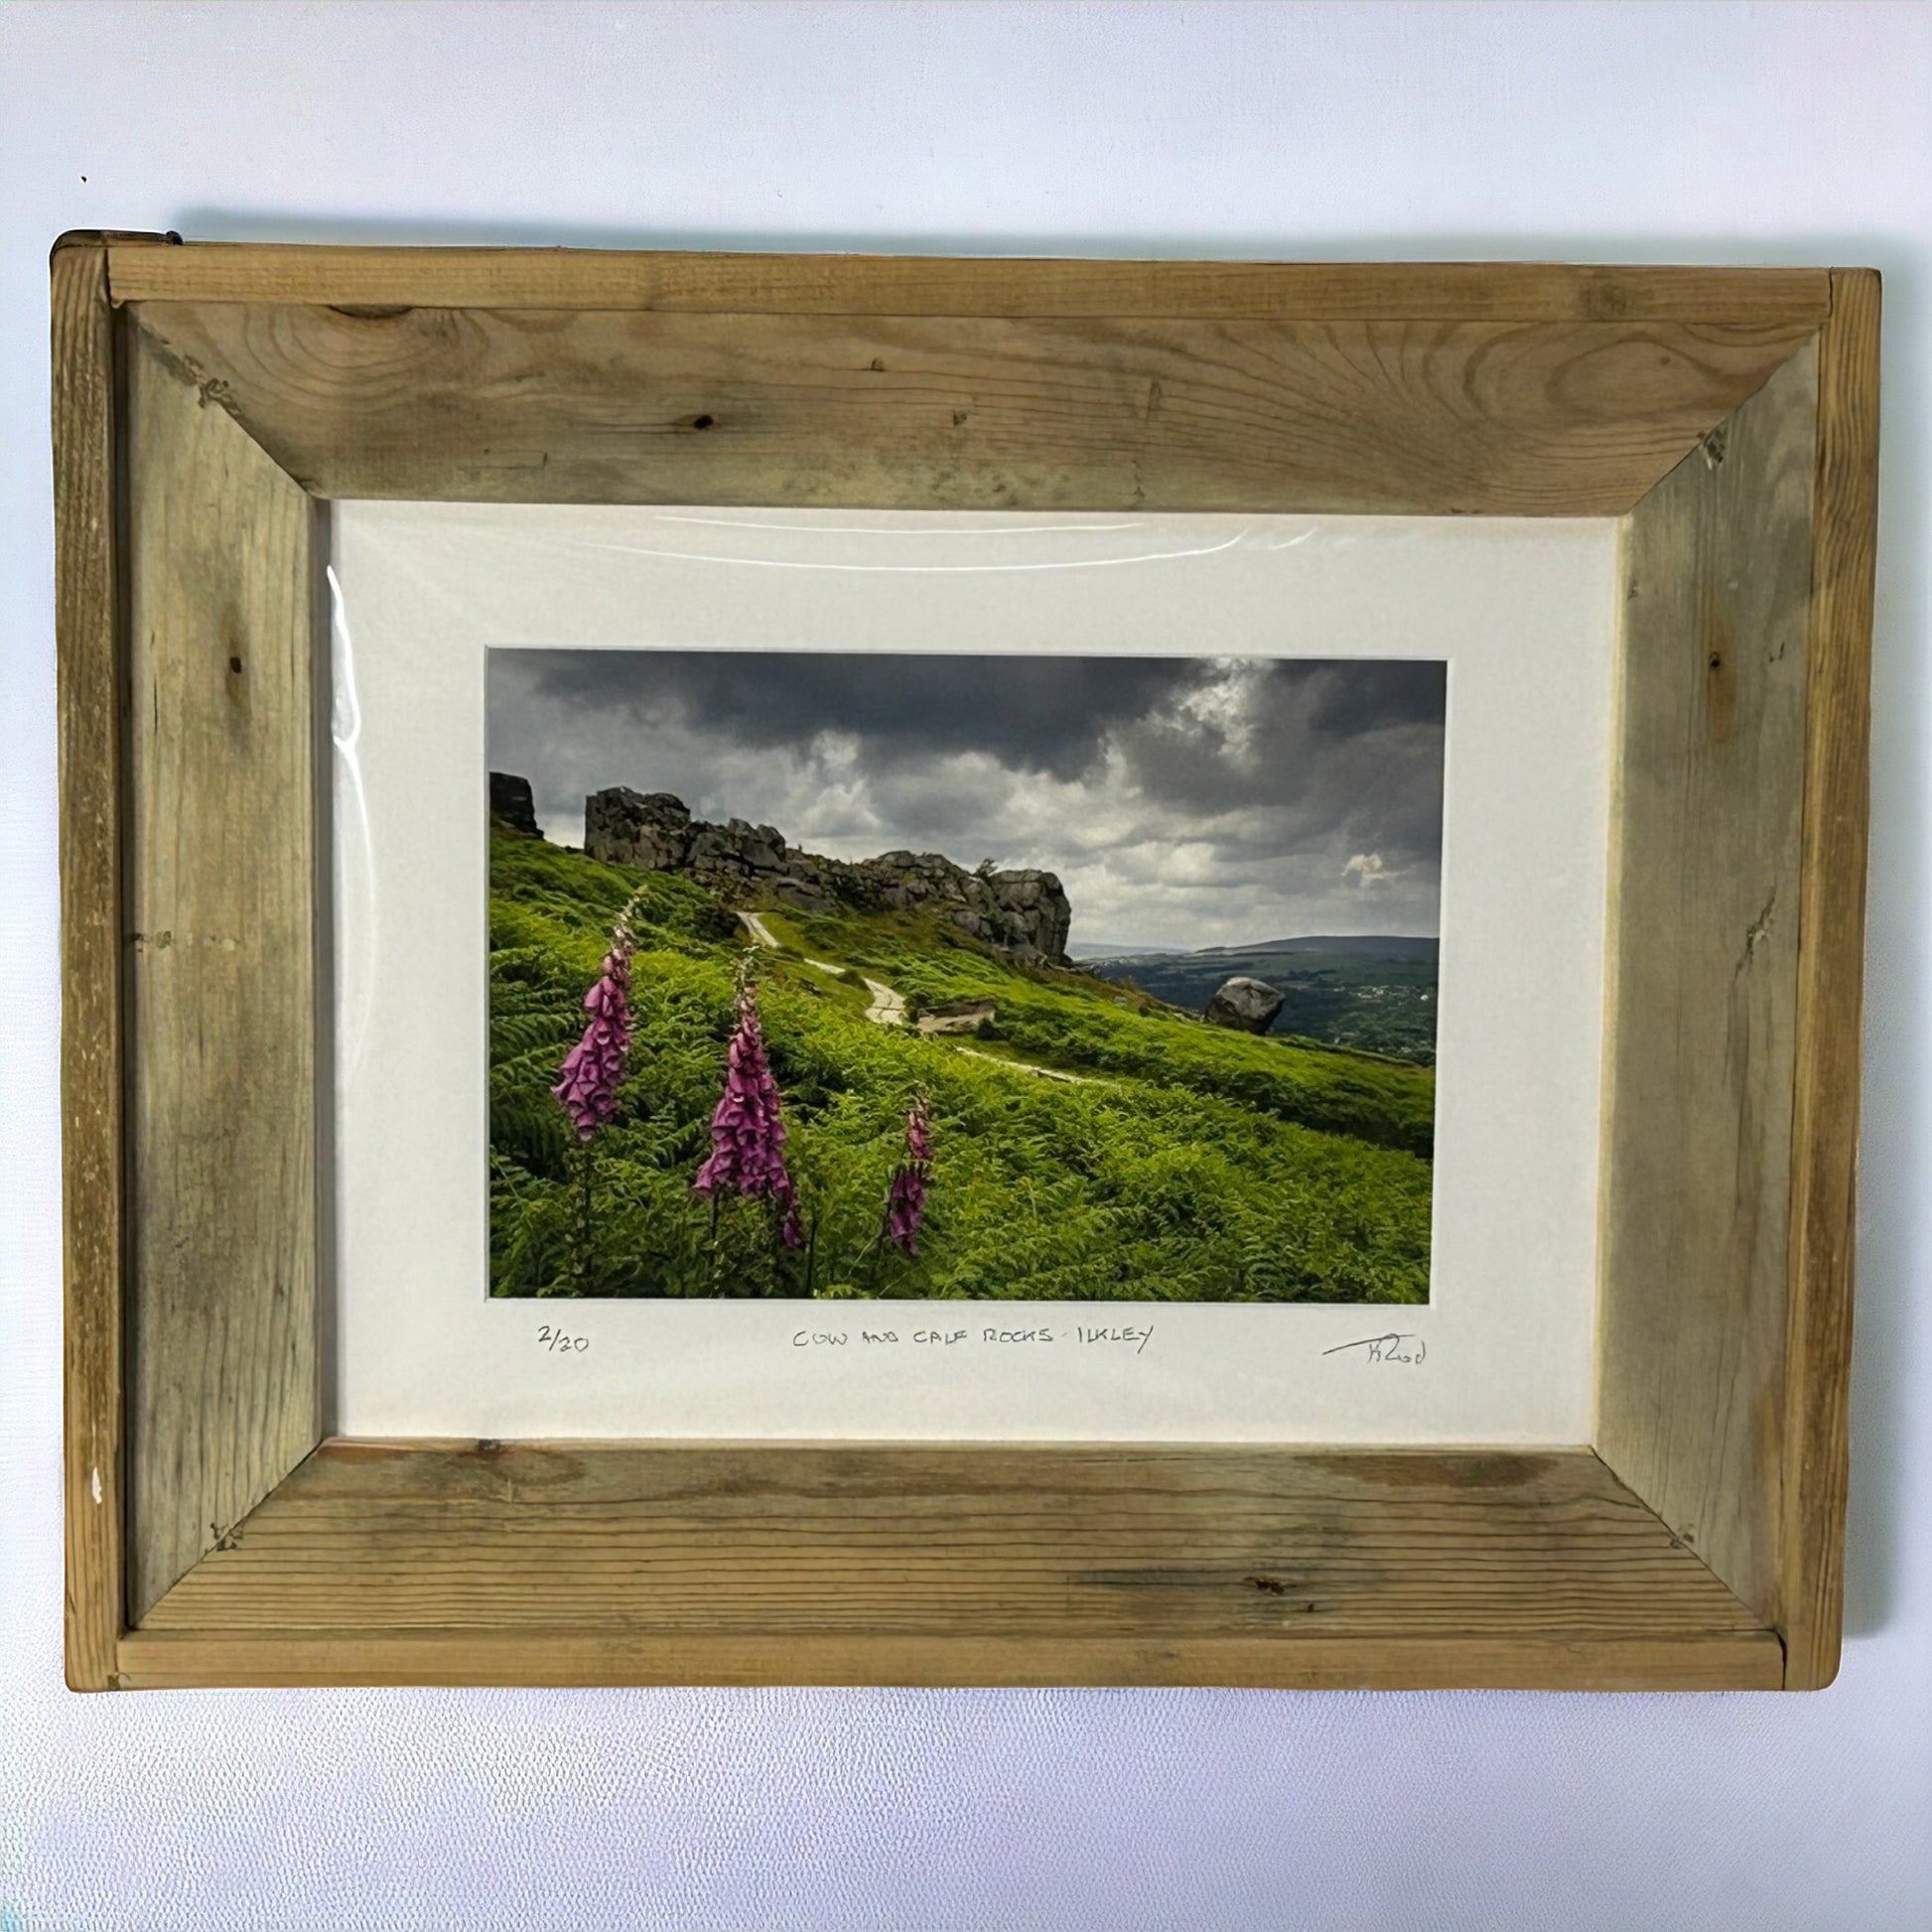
(851, 975)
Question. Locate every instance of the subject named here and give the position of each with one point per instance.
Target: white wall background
(1792, 132)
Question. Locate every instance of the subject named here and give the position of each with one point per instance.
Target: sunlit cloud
(1184, 802)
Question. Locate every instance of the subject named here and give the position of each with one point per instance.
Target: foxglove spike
(593, 1068)
(747, 1130)
(905, 1193)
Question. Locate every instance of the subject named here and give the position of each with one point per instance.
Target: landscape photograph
(864, 975)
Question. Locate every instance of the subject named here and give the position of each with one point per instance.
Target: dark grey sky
(1184, 801)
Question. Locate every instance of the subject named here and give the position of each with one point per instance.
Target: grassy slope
(1191, 1164)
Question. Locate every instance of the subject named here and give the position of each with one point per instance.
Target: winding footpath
(762, 934)
(888, 1008)
(1028, 1067)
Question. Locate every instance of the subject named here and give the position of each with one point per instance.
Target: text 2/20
(559, 1343)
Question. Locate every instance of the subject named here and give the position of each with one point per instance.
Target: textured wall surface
(1719, 133)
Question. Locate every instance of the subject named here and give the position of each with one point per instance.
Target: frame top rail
(977, 285)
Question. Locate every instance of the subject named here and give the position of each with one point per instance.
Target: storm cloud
(1184, 801)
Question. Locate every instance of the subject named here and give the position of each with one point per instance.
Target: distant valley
(1376, 993)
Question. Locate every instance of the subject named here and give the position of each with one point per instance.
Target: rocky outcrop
(1026, 912)
(510, 804)
(1248, 1006)
(1023, 913)
(627, 828)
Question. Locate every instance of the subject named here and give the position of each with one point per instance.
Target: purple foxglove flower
(593, 1067)
(905, 1194)
(747, 1132)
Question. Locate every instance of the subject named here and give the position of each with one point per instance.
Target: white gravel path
(888, 1008)
(1027, 1066)
(761, 935)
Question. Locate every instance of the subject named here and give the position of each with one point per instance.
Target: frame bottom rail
(1686, 1661)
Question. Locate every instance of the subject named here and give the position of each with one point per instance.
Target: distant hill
(1378, 945)
(1106, 949)
(1371, 946)
(1375, 992)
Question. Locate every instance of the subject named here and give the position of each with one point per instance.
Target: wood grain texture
(1831, 947)
(553, 376)
(1663, 1660)
(92, 694)
(1716, 568)
(937, 285)
(222, 1357)
(1136, 1554)
(1529, 419)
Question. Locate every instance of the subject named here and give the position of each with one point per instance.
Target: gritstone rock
(510, 804)
(1250, 1006)
(1026, 912)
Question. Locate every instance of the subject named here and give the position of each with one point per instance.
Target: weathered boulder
(956, 1016)
(1248, 1006)
(1023, 913)
(1040, 901)
(802, 895)
(651, 830)
(510, 804)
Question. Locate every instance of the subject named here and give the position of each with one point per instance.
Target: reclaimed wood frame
(206, 398)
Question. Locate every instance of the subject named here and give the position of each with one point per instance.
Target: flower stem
(585, 1226)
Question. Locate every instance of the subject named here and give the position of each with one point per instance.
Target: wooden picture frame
(206, 397)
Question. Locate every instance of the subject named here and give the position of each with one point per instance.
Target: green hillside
(1172, 1160)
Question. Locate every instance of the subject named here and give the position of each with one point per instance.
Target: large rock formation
(1023, 912)
(510, 804)
(1249, 1005)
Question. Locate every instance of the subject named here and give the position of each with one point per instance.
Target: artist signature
(1385, 1348)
